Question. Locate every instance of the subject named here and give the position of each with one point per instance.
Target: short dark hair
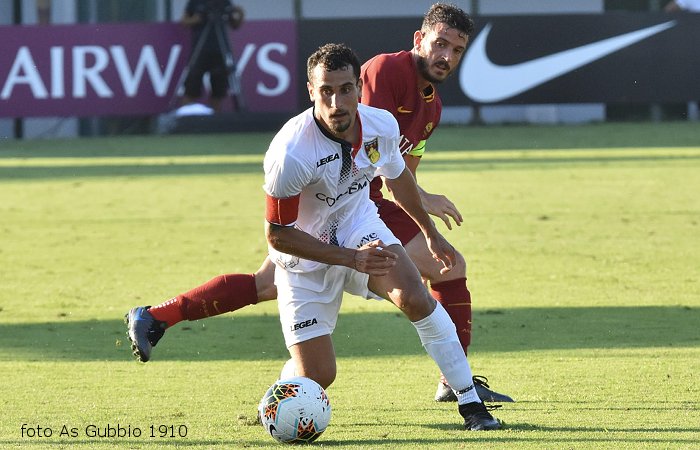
(450, 15)
(333, 57)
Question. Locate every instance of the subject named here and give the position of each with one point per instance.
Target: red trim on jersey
(282, 211)
(356, 146)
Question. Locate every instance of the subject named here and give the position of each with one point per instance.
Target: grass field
(583, 246)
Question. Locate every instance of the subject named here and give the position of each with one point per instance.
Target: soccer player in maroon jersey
(404, 84)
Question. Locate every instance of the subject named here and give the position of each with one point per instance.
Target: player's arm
(406, 195)
(371, 258)
(284, 237)
(435, 204)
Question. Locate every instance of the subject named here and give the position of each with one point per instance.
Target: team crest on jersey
(372, 150)
(428, 129)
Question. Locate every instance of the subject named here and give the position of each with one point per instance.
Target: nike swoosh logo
(403, 110)
(484, 81)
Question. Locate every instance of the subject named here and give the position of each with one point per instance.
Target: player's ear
(417, 38)
(359, 87)
(310, 87)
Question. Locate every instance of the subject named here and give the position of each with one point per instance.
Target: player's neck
(423, 84)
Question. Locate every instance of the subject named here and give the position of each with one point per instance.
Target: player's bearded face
(439, 51)
(335, 95)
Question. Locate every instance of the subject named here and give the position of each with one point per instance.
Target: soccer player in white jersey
(325, 236)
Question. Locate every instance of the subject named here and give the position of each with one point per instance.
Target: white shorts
(309, 302)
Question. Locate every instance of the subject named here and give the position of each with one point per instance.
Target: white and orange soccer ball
(295, 410)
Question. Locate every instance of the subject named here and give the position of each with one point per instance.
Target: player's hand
(371, 258)
(440, 206)
(442, 251)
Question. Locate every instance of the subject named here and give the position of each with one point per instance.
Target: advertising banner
(133, 69)
(585, 58)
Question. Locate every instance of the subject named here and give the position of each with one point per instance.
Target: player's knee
(416, 305)
(265, 286)
(266, 293)
(459, 269)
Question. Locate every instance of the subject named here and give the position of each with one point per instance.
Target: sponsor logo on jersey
(372, 150)
(405, 146)
(404, 110)
(366, 239)
(304, 324)
(428, 128)
(355, 186)
(327, 159)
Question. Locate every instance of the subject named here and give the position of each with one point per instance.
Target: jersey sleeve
(395, 163)
(285, 177)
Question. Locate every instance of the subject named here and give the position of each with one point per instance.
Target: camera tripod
(215, 24)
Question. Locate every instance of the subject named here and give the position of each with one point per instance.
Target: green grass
(583, 249)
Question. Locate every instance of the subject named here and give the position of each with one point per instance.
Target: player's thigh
(308, 303)
(315, 359)
(429, 268)
(403, 287)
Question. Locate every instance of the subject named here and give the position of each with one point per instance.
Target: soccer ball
(295, 410)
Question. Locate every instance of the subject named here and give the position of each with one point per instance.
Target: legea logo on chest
(327, 159)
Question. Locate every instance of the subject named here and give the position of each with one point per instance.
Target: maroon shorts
(400, 223)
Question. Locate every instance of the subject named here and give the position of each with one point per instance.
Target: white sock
(439, 338)
(289, 370)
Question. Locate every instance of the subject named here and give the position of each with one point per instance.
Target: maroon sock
(455, 297)
(219, 295)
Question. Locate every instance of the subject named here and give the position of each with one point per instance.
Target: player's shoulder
(295, 128)
(293, 137)
(388, 61)
(377, 120)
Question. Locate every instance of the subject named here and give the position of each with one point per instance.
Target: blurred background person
(208, 20)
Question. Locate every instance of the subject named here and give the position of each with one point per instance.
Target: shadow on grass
(233, 337)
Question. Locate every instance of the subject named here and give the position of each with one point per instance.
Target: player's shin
(217, 296)
(455, 297)
(438, 336)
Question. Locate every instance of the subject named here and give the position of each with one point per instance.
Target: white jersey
(304, 159)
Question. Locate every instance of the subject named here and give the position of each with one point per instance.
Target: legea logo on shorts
(304, 324)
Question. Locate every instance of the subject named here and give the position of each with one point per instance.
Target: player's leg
(308, 314)
(449, 289)
(403, 286)
(224, 293)
(315, 359)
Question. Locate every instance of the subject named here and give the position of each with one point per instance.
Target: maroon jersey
(390, 81)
